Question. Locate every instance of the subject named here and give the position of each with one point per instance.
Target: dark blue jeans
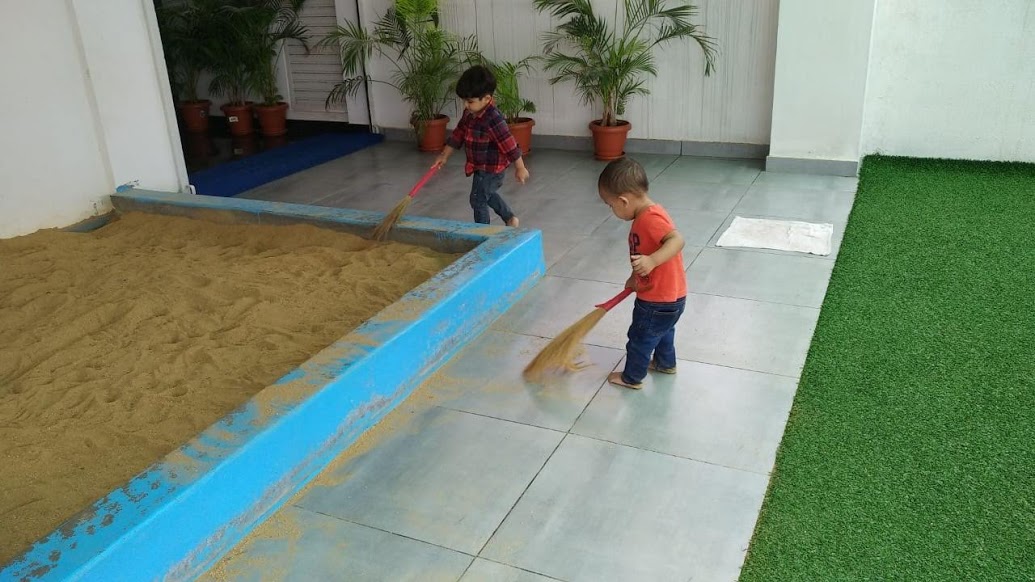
(485, 195)
(653, 331)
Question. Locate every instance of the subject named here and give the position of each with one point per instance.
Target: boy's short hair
(476, 82)
(623, 176)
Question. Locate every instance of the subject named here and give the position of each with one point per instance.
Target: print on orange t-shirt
(667, 282)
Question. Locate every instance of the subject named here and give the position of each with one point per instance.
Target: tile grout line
(674, 456)
(522, 495)
(683, 359)
(382, 530)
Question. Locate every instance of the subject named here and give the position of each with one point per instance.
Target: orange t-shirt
(667, 282)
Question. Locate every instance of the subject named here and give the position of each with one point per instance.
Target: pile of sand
(119, 345)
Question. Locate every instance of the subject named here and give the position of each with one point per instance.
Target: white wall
(130, 92)
(70, 135)
(734, 105)
(822, 54)
(953, 79)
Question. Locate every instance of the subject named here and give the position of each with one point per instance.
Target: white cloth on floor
(782, 235)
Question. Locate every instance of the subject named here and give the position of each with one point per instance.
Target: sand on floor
(119, 345)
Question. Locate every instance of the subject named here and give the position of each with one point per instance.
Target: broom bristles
(560, 354)
(382, 230)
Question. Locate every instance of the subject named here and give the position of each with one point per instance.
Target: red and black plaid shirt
(486, 138)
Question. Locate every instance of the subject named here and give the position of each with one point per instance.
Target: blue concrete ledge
(177, 518)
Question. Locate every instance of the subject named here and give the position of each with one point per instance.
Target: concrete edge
(845, 168)
(183, 513)
(633, 145)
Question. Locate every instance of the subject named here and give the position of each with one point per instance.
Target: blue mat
(232, 178)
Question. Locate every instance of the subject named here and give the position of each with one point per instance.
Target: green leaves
(508, 93)
(609, 65)
(426, 59)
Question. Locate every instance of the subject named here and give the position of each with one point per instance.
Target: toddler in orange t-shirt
(658, 276)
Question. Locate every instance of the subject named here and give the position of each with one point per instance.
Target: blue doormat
(232, 178)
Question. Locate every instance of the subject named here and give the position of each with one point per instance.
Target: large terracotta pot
(432, 134)
(522, 132)
(609, 141)
(239, 118)
(272, 118)
(195, 115)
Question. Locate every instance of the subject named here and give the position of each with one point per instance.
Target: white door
(313, 76)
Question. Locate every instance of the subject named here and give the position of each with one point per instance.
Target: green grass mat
(910, 450)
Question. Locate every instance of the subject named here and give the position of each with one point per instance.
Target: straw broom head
(560, 354)
(386, 226)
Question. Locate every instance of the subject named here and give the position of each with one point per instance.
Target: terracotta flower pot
(195, 115)
(609, 141)
(273, 118)
(522, 132)
(432, 136)
(239, 117)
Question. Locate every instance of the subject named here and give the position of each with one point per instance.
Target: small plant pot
(195, 115)
(272, 119)
(431, 135)
(609, 141)
(522, 132)
(239, 118)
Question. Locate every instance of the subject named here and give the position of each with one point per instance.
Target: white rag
(782, 235)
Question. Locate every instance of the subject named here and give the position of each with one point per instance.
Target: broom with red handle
(559, 355)
(382, 230)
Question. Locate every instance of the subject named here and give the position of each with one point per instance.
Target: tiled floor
(482, 477)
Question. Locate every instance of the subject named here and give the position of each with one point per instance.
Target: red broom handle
(615, 300)
(423, 181)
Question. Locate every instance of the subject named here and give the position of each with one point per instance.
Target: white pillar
(822, 56)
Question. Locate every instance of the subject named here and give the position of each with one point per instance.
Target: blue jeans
(653, 331)
(485, 195)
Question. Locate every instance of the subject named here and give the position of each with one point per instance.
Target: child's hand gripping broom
(382, 230)
(560, 353)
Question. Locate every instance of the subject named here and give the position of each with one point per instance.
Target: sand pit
(118, 346)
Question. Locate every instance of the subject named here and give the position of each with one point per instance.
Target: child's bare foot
(654, 368)
(616, 379)
(513, 222)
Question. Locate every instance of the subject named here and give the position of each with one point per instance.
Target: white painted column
(822, 57)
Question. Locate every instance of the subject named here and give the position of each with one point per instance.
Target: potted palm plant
(510, 102)
(233, 70)
(270, 25)
(255, 34)
(426, 59)
(609, 61)
(188, 42)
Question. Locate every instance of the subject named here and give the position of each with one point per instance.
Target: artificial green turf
(910, 450)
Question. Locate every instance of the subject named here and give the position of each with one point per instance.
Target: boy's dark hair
(476, 82)
(623, 176)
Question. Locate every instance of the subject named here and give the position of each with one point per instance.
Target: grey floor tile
(807, 181)
(299, 545)
(486, 571)
(600, 511)
(485, 378)
(696, 227)
(679, 193)
(779, 279)
(604, 258)
(714, 171)
(740, 333)
(835, 240)
(801, 204)
(565, 216)
(719, 415)
(449, 480)
(557, 244)
(556, 303)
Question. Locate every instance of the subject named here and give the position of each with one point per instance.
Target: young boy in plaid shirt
(490, 147)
